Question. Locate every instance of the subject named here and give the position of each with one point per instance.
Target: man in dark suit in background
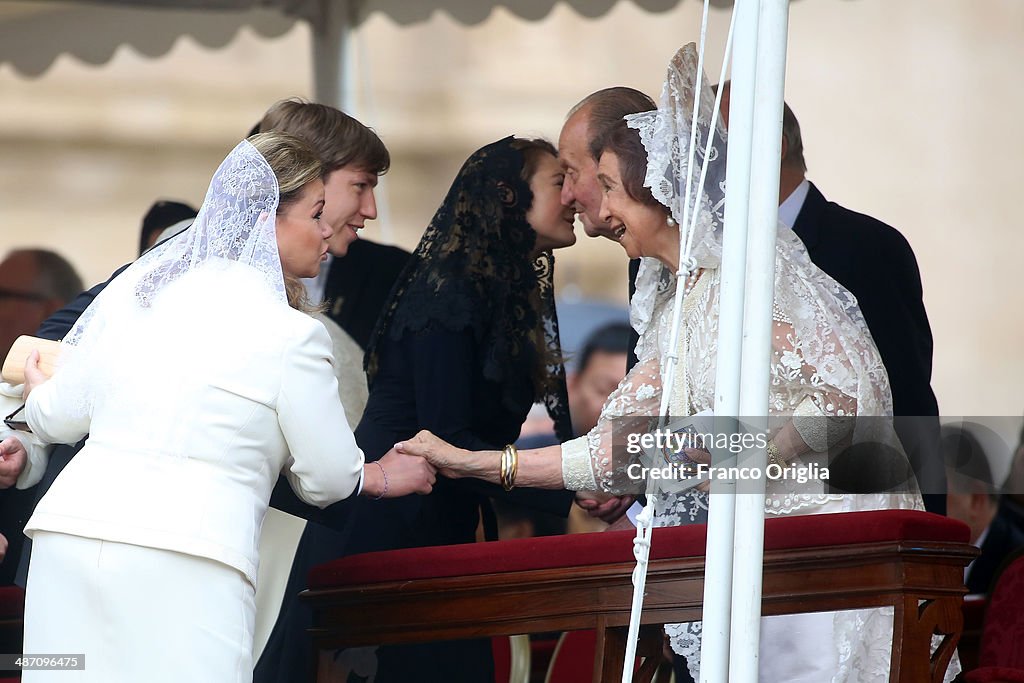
(875, 262)
(358, 285)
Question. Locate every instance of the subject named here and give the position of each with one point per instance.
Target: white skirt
(136, 613)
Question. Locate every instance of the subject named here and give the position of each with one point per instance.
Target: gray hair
(794, 143)
(967, 464)
(790, 133)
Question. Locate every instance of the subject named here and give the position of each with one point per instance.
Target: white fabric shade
(33, 33)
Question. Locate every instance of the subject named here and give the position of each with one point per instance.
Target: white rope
(686, 244)
(645, 520)
(686, 266)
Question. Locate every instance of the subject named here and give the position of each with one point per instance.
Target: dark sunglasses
(24, 296)
(17, 424)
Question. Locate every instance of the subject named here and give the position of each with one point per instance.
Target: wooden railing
(910, 561)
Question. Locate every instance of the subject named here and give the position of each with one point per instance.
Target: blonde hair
(295, 165)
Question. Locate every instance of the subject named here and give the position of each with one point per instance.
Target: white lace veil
(236, 225)
(828, 327)
(666, 135)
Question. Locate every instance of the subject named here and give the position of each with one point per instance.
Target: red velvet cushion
(12, 602)
(996, 674)
(617, 546)
(1003, 634)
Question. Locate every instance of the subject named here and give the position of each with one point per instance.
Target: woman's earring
(670, 222)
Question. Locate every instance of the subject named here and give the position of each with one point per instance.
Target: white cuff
(577, 466)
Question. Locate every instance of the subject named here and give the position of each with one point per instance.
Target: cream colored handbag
(14, 366)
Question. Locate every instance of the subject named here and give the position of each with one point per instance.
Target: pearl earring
(670, 222)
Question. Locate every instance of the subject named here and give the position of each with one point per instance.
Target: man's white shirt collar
(790, 209)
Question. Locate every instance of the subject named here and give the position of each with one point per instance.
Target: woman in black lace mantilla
(467, 342)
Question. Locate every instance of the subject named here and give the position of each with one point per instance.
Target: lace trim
(685, 640)
(819, 430)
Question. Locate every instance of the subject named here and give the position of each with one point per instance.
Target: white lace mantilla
(826, 376)
(235, 227)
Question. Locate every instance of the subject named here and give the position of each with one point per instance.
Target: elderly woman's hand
(34, 376)
(437, 452)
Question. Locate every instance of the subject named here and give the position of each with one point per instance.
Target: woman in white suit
(145, 554)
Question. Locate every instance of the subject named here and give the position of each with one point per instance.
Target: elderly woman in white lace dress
(826, 376)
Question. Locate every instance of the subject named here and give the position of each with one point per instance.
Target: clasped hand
(435, 450)
(406, 474)
(12, 461)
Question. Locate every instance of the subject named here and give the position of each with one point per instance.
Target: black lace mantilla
(473, 269)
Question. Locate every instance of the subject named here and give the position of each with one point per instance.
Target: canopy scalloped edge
(32, 42)
(472, 12)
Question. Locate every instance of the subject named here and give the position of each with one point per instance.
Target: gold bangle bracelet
(515, 466)
(509, 467)
(503, 468)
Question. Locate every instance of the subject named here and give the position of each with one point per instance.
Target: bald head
(582, 136)
(793, 166)
(34, 283)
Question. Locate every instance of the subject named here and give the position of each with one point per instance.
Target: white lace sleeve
(822, 413)
(596, 461)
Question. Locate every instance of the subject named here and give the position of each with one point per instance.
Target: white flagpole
(748, 552)
(687, 223)
(715, 645)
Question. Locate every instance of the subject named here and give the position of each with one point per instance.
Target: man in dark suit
(875, 262)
